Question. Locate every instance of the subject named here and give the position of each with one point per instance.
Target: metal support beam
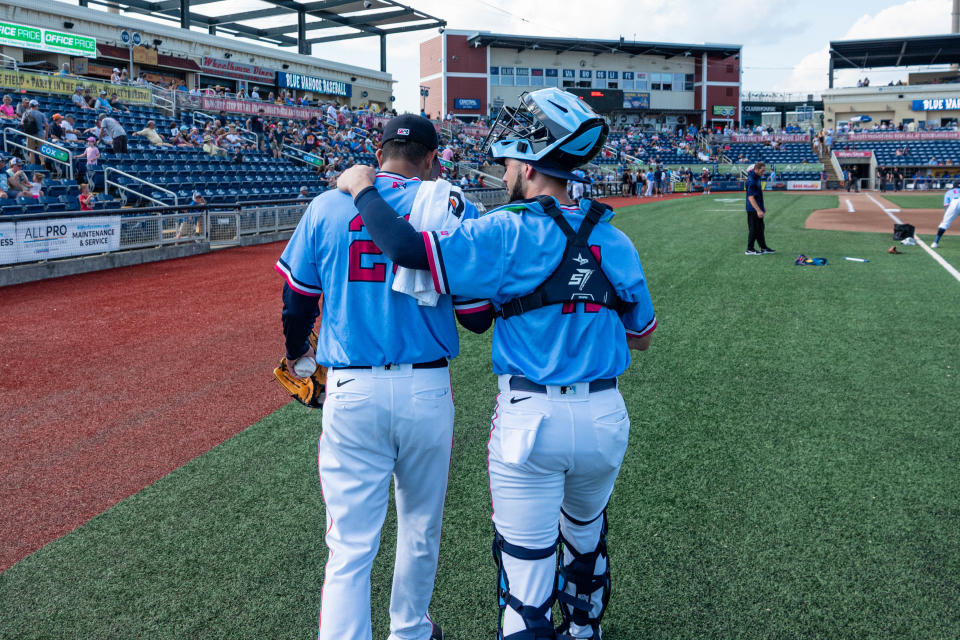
(212, 29)
(830, 72)
(303, 46)
(903, 49)
(184, 14)
(383, 52)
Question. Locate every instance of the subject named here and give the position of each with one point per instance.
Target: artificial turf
(793, 469)
(916, 201)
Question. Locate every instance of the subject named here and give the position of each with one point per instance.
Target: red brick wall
(431, 52)
(435, 99)
(723, 69)
(475, 88)
(462, 58)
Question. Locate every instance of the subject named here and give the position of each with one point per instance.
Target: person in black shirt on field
(756, 211)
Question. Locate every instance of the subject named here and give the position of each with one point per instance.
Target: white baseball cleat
(934, 245)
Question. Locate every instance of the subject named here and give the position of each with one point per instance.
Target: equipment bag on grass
(903, 231)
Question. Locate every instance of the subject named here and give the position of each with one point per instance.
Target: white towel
(432, 211)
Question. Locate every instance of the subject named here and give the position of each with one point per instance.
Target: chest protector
(578, 277)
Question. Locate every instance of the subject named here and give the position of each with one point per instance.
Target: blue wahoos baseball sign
(936, 104)
(466, 103)
(314, 84)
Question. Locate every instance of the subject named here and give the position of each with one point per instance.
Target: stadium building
(43, 37)
(471, 74)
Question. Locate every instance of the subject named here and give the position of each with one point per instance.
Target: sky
(785, 42)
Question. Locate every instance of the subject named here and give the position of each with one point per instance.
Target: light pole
(424, 92)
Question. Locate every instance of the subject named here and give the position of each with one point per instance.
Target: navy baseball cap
(411, 128)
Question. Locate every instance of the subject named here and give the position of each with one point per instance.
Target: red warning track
(111, 380)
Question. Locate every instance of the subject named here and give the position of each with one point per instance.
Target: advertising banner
(55, 152)
(64, 237)
(314, 84)
(803, 185)
(878, 136)
(18, 35)
(239, 70)
(724, 110)
(635, 100)
(797, 167)
(778, 137)
(63, 85)
(469, 104)
(853, 154)
(251, 107)
(8, 242)
(937, 104)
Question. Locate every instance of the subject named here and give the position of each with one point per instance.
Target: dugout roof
(287, 23)
(628, 47)
(894, 52)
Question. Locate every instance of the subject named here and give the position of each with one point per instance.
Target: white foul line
(936, 256)
(850, 206)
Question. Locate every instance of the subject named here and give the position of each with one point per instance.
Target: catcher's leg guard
(583, 581)
(536, 618)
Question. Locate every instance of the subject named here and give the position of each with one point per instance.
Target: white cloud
(913, 18)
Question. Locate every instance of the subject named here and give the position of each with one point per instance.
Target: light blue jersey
(365, 323)
(950, 195)
(507, 254)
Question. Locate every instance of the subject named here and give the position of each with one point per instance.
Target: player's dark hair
(412, 152)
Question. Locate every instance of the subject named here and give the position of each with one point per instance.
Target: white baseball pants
(380, 423)
(951, 213)
(548, 451)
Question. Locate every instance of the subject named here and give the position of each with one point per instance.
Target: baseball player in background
(388, 410)
(951, 213)
(566, 325)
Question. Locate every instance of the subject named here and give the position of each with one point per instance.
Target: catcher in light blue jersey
(388, 412)
(571, 300)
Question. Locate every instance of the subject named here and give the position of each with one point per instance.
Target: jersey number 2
(360, 248)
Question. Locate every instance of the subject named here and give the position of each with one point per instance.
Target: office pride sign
(18, 35)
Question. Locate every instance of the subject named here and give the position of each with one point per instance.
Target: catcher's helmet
(551, 129)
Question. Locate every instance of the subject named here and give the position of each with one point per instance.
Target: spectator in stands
(304, 194)
(56, 128)
(77, 98)
(91, 152)
(124, 78)
(17, 180)
(232, 140)
(7, 109)
(210, 147)
(150, 133)
(116, 105)
(241, 93)
(255, 95)
(182, 86)
(197, 200)
(276, 136)
(36, 186)
(115, 76)
(64, 70)
(255, 125)
(85, 198)
(102, 102)
(23, 107)
(34, 124)
(89, 98)
(109, 127)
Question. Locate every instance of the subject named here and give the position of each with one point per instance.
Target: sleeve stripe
(474, 308)
(299, 287)
(433, 258)
(646, 330)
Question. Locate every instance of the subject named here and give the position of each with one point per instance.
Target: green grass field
(918, 201)
(793, 470)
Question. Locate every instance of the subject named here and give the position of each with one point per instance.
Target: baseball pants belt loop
(439, 363)
(520, 383)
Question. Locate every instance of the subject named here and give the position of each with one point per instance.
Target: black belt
(519, 383)
(439, 363)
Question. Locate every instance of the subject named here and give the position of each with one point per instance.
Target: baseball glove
(309, 392)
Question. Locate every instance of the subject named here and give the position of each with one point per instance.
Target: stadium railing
(124, 188)
(49, 150)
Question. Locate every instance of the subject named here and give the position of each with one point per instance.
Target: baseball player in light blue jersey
(951, 213)
(950, 195)
(572, 301)
(388, 410)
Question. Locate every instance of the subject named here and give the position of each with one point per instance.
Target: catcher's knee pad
(536, 617)
(583, 579)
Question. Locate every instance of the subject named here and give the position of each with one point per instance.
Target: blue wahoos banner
(312, 83)
(937, 104)
(471, 104)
